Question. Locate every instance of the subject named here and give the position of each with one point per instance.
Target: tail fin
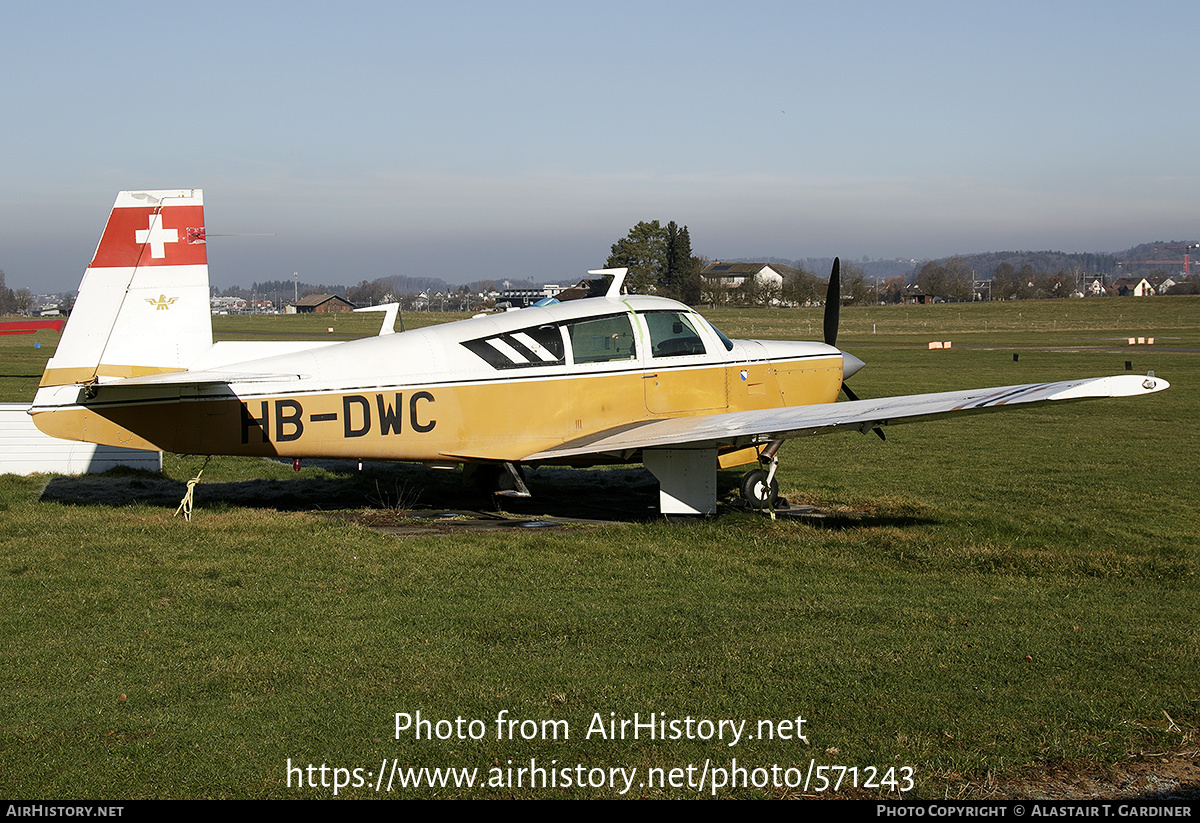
(143, 306)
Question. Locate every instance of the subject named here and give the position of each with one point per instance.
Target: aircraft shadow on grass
(622, 495)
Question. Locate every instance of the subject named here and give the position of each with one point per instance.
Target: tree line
(14, 302)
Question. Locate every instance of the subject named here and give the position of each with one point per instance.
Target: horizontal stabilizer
(204, 378)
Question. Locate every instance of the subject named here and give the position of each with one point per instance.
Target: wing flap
(749, 427)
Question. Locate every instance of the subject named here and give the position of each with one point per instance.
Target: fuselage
(495, 387)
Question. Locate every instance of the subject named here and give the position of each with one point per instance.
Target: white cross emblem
(156, 236)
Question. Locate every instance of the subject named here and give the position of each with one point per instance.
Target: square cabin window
(603, 339)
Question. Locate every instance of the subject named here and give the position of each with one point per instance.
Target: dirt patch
(1142, 776)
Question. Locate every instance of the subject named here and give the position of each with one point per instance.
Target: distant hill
(1050, 262)
(1165, 255)
(1159, 254)
(1149, 256)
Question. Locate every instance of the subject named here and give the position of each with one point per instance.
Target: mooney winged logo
(162, 303)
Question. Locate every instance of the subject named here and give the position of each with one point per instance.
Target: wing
(748, 428)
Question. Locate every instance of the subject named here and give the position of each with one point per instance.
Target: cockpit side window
(602, 339)
(673, 334)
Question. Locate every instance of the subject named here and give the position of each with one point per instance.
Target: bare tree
(801, 288)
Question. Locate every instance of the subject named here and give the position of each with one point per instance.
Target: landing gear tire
(756, 492)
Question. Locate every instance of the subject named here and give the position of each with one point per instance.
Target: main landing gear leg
(760, 489)
(512, 482)
(504, 479)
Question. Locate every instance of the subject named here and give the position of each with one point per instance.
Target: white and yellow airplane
(607, 379)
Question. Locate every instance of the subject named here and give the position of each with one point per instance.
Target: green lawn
(1001, 594)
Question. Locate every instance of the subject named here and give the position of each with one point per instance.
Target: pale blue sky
(467, 140)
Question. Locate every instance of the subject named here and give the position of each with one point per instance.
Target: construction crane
(1187, 260)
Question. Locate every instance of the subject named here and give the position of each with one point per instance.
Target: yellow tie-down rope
(185, 505)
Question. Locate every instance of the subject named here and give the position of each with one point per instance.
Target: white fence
(25, 449)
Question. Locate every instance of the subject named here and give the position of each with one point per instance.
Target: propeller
(833, 306)
(833, 303)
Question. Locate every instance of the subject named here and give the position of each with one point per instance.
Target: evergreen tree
(644, 252)
(671, 271)
(681, 278)
(688, 283)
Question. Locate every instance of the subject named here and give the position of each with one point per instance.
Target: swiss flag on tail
(154, 229)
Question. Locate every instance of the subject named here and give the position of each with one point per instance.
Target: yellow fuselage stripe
(503, 419)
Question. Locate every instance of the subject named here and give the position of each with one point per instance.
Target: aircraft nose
(850, 365)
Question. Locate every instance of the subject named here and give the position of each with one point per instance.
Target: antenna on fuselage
(390, 312)
(618, 279)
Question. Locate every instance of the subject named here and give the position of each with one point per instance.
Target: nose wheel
(760, 489)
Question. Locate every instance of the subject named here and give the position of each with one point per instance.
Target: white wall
(25, 449)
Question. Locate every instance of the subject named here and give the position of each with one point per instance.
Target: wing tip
(1120, 385)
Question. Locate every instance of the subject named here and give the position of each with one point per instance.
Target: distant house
(1137, 287)
(754, 280)
(227, 305)
(1165, 284)
(735, 275)
(914, 295)
(323, 303)
(1096, 289)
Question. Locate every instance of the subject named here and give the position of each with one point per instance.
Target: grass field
(1001, 595)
